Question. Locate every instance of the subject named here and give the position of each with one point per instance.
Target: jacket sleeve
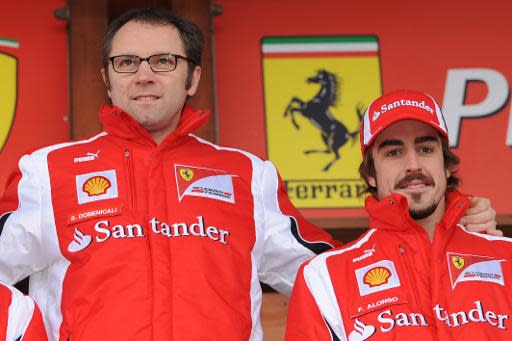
(22, 217)
(24, 319)
(305, 321)
(288, 238)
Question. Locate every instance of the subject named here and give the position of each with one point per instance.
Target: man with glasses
(145, 231)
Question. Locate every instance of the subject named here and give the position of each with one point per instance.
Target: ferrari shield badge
(8, 89)
(316, 91)
(186, 173)
(458, 262)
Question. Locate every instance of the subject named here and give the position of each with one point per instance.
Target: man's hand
(480, 217)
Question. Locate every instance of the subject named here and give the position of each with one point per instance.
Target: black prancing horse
(334, 133)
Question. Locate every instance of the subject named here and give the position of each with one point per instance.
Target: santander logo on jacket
(105, 230)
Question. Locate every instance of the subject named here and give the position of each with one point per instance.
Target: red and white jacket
(124, 239)
(394, 284)
(20, 319)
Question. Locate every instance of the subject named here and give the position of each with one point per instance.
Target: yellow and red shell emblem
(377, 276)
(97, 185)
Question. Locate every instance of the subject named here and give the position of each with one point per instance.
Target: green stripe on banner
(319, 40)
(9, 42)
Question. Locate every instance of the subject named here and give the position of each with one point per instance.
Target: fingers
(487, 217)
(479, 204)
(481, 217)
(496, 233)
(489, 228)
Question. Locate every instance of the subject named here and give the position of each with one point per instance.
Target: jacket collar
(118, 123)
(392, 212)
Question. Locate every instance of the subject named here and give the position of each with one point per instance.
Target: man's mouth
(414, 181)
(146, 98)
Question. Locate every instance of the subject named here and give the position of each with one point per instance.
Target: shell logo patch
(187, 174)
(474, 268)
(377, 277)
(96, 186)
(207, 183)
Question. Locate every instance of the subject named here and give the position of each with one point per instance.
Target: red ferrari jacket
(124, 239)
(20, 318)
(394, 284)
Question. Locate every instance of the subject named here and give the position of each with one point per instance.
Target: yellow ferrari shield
(458, 262)
(316, 92)
(8, 94)
(187, 173)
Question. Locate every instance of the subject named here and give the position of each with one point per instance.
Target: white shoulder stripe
(321, 258)
(253, 157)
(51, 148)
(486, 236)
(319, 283)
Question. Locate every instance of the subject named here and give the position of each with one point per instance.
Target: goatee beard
(422, 213)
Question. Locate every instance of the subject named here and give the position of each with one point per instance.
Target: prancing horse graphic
(334, 133)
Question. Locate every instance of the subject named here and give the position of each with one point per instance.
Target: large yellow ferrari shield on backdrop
(316, 91)
(8, 94)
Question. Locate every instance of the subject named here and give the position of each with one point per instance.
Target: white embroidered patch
(467, 268)
(204, 182)
(96, 186)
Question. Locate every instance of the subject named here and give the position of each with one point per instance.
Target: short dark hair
(191, 36)
(451, 163)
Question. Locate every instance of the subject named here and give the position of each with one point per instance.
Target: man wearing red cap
(417, 271)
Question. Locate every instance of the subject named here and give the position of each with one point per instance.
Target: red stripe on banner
(319, 54)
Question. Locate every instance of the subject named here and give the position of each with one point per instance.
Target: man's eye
(425, 149)
(126, 62)
(164, 61)
(393, 152)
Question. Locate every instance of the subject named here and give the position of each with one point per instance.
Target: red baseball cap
(396, 106)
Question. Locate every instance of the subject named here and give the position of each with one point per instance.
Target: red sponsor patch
(93, 213)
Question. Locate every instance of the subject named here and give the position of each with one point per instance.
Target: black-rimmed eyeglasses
(164, 62)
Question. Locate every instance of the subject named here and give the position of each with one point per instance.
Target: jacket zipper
(131, 181)
(410, 275)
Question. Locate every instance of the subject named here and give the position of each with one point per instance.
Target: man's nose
(145, 74)
(413, 163)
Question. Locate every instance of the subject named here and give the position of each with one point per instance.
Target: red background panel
(42, 96)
